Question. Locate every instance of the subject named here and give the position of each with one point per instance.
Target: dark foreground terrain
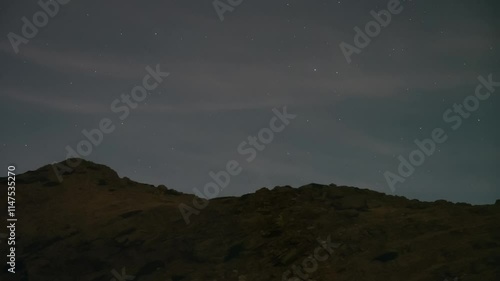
(97, 226)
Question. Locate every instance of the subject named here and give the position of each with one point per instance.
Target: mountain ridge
(95, 223)
(85, 164)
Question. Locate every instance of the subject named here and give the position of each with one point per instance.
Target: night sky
(353, 120)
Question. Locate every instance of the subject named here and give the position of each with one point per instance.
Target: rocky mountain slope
(97, 226)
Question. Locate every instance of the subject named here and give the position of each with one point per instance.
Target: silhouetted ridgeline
(94, 225)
